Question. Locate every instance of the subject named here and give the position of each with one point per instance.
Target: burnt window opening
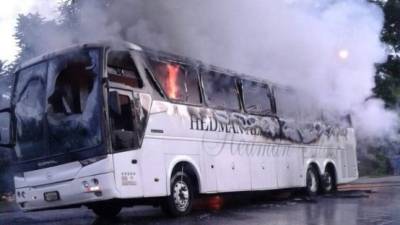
(287, 103)
(153, 83)
(256, 97)
(122, 69)
(297, 104)
(179, 82)
(74, 102)
(71, 90)
(220, 91)
(58, 106)
(29, 100)
(122, 118)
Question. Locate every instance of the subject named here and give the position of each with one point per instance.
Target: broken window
(124, 134)
(30, 103)
(287, 103)
(256, 98)
(72, 87)
(73, 102)
(193, 88)
(179, 82)
(58, 105)
(122, 69)
(220, 91)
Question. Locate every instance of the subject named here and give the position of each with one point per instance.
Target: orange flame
(172, 86)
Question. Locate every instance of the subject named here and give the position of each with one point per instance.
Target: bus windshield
(57, 106)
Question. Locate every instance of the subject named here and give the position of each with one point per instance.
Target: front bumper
(72, 192)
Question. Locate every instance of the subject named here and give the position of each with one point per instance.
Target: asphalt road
(379, 205)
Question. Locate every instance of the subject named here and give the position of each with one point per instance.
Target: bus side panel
(233, 168)
(212, 145)
(263, 168)
(168, 136)
(153, 167)
(289, 160)
(128, 176)
(347, 159)
(208, 168)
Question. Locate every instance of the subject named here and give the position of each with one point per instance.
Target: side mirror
(114, 103)
(5, 129)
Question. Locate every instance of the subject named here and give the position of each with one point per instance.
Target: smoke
(327, 48)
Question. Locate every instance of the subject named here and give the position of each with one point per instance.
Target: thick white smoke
(326, 47)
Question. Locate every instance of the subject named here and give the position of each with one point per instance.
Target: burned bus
(114, 125)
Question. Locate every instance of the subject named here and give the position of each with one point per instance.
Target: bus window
(72, 87)
(220, 91)
(29, 103)
(122, 122)
(193, 88)
(297, 104)
(122, 69)
(179, 82)
(256, 98)
(287, 103)
(73, 96)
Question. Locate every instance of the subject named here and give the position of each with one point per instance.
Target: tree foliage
(31, 33)
(2, 67)
(388, 74)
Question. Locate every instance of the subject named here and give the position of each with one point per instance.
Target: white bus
(110, 126)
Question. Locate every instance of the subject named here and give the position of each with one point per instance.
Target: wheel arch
(331, 166)
(311, 163)
(315, 165)
(189, 166)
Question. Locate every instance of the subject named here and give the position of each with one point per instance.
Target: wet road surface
(381, 206)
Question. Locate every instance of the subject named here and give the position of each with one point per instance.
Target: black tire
(180, 201)
(106, 210)
(328, 182)
(312, 182)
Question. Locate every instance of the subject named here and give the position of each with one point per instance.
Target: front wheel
(312, 182)
(180, 201)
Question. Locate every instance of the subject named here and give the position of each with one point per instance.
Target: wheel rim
(312, 182)
(181, 195)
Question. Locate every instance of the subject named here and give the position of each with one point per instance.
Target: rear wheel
(106, 210)
(329, 182)
(180, 201)
(312, 182)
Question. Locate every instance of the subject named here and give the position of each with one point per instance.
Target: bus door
(126, 119)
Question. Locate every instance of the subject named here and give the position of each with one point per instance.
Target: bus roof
(124, 45)
(52, 54)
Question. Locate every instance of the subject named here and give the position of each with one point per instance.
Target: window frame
(161, 88)
(75, 154)
(237, 90)
(141, 80)
(277, 92)
(14, 117)
(99, 79)
(270, 96)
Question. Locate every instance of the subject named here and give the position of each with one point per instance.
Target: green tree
(34, 35)
(5, 68)
(2, 68)
(388, 74)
